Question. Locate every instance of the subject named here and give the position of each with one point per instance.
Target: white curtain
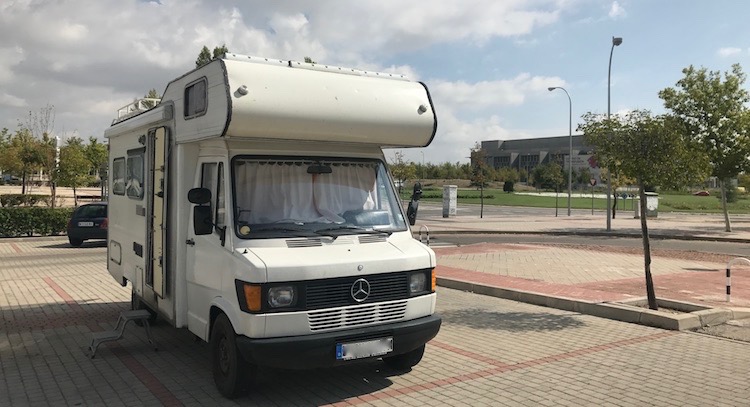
(284, 192)
(348, 187)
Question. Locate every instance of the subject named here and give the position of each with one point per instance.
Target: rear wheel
(406, 360)
(75, 242)
(231, 372)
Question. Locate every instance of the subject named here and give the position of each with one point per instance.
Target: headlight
(417, 283)
(282, 296)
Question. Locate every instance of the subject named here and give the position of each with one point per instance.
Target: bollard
(427, 232)
(729, 273)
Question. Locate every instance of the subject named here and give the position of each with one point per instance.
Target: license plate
(364, 349)
(85, 224)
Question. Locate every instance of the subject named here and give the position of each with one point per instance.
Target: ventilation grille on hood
(293, 243)
(372, 239)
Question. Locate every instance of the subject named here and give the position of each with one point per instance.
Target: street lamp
(422, 175)
(615, 42)
(570, 142)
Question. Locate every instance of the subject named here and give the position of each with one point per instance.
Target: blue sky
(488, 63)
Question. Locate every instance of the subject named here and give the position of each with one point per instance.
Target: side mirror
(411, 212)
(416, 192)
(199, 196)
(202, 224)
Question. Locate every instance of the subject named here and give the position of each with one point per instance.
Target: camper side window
(118, 176)
(134, 186)
(220, 205)
(209, 181)
(195, 99)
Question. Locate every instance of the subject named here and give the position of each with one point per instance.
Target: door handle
(190, 242)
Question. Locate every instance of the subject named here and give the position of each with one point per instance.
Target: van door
(156, 265)
(207, 254)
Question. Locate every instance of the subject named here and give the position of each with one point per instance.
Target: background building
(526, 154)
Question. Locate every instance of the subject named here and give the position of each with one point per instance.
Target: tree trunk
(481, 199)
(727, 224)
(614, 202)
(647, 251)
(23, 183)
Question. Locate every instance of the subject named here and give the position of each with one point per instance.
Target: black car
(89, 221)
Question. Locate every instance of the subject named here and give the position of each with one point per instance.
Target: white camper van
(252, 205)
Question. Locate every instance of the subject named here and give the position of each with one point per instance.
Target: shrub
(13, 200)
(731, 194)
(33, 221)
(508, 186)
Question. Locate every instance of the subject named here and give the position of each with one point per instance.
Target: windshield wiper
(330, 232)
(282, 229)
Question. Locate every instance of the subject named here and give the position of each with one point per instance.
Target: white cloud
(89, 58)
(11, 101)
(492, 94)
(728, 51)
(616, 11)
(467, 113)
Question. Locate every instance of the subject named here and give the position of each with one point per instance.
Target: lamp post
(615, 42)
(570, 142)
(422, 175)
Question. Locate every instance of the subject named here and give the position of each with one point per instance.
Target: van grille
(357, 315)
(337, 292)
(292, 243)
(372, 239)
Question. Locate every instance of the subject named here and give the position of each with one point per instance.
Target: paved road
(728, 248)
(489, 352)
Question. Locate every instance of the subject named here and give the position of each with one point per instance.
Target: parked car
(702, 193)
(89, 221)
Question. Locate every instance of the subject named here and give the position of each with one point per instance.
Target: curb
(694, 316)
(593, 234)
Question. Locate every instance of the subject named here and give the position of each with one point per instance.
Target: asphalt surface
(489, 352)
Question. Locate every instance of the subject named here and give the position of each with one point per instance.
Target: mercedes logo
(360, 290)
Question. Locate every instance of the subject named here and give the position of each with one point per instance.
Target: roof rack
(135, 107)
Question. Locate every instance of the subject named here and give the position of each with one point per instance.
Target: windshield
(306, 198)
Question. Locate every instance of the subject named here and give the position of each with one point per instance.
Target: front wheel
(230, 370)
(406, 360)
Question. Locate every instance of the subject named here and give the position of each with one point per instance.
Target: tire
(405, 361)
(136, 303)
(75, 242)
(231, 372)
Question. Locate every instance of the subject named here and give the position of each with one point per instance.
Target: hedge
(33, 221)
(10, 200)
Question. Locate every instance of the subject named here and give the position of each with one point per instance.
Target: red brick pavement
(704, 285)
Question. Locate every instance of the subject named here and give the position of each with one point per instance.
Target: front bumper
(87, 233)
(319, 350)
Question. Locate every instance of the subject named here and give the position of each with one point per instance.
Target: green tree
(309, 60)
(480, 173)
(40, 125)
(582, 176)
(549, 176)
(22, 156)
(654, 151)
(401, 170)
(205, 56)
(97, 155)
(508, 174)
(743, 180)
(5, 137)
(151, 94)
(74, 165)
(712, 109)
